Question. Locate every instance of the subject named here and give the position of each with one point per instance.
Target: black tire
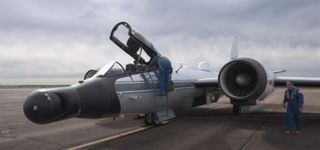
(148, 119)
(155, 119)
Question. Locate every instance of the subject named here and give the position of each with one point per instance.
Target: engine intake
(243, 79)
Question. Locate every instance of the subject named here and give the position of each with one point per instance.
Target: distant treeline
(30, 86)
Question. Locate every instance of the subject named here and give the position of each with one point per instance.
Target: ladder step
(164, 116)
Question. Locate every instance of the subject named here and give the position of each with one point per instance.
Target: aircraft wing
(279, 81)
(298, 81)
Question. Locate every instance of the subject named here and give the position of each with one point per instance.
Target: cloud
(66, 38)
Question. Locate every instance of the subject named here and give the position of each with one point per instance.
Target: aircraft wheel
(148, 119)
(155, 119)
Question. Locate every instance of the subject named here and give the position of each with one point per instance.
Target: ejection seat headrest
(133, 45)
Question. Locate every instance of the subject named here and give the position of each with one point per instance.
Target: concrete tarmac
(17, 132)
(206, 127)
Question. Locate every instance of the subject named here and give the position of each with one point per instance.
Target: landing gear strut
(237, 110)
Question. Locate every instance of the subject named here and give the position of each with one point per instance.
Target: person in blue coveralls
(163, 64)
(293, 101)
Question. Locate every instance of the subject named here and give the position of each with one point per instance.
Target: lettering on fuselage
(134, 97)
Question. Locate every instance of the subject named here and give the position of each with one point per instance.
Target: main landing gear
(237, 110)
(151, 119)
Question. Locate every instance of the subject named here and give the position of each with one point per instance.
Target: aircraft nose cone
(243, 79)
(42, 107)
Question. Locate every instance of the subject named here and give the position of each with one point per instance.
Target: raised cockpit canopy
(134, 42)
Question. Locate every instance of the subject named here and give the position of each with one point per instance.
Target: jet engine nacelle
(245, 81)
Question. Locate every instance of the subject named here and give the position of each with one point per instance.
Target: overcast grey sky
(65, 38)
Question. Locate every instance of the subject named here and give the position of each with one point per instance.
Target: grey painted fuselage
(140, 92)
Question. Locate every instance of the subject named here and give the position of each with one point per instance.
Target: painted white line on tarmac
(109, 138)
(128, 132)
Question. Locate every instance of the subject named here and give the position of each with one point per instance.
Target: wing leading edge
(279, 81)
(298, 81)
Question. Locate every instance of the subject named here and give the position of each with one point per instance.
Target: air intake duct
(243, 79)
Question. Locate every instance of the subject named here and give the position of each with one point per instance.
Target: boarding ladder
(149, 80)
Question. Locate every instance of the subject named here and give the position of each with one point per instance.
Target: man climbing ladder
(163, 64)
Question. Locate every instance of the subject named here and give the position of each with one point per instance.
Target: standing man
(293, 101)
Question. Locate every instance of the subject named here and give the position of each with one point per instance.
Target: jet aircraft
(116, 89)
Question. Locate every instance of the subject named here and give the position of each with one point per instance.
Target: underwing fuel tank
(93, 98)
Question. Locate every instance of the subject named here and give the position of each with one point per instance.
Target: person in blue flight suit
(163, 64)
(293, 101)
